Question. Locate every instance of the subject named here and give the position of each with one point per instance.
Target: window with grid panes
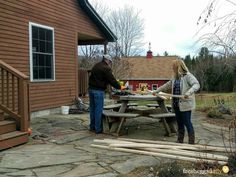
(42, 65)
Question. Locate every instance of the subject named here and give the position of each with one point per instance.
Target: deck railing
(14, 95)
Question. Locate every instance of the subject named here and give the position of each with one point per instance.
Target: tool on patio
(80, 105)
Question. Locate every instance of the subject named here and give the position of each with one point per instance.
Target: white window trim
(31, 53)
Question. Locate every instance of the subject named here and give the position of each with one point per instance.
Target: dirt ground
(178, 169)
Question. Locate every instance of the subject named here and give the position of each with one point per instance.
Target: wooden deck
(14, 106)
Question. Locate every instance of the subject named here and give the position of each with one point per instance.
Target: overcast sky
(170, 25)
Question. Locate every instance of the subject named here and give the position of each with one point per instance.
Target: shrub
(214, 113)
(171, 169)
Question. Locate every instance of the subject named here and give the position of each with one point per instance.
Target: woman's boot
(191, 138)
(180, 136)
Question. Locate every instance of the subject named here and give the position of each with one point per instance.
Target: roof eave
(86, 6)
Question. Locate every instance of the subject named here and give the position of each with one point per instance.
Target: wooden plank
(24, 104)
(13, 139)
(160, 154)
(11, 135)
(127, 140)
(139, 97)
(1, 115)
(169, 95)
(153, 105)
(11, 113)
(118, 114)
(112, 106)
(164, 146)
(163, 115)
(168, 150)
(120, 125)
(7, 126)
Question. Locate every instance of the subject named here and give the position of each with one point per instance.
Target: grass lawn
(204, 100)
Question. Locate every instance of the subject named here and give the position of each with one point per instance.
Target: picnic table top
(140, 97)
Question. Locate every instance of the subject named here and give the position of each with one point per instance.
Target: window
(143, 86)
(131, 87)
(154, 86)
(42, 64)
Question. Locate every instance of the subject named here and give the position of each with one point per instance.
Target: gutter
(87, 7)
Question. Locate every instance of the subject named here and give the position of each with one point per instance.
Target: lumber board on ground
(163, 146)
(188, 153)
(202, 146)
(176, 157)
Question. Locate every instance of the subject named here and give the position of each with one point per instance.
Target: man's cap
(108, 57)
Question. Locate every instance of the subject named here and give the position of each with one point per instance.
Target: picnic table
(116, 119)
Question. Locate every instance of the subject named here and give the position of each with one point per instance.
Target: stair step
(7, 126)
(11, 139)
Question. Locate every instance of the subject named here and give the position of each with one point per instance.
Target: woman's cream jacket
(188, 86)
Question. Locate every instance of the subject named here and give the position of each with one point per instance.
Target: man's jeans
(184, 119)
(96, 100)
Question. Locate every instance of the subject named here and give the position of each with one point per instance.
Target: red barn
(149, 71)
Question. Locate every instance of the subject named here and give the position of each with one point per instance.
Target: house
(38, 54)
(149, 71)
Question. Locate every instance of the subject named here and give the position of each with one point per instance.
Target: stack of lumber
(178, 151)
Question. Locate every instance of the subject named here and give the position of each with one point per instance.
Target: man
(101, 76)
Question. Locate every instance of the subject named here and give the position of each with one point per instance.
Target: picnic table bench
(153, 105)
(157, 106)
(111, 119)
(112, 107)
(116, 107)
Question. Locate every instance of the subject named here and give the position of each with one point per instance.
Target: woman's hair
(180, 68)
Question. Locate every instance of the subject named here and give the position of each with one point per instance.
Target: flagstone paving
(60, 147)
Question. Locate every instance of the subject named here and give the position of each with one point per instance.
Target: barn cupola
(149, 52)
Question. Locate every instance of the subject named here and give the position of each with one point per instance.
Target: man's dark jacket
(101, 76)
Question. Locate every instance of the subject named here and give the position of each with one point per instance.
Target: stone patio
(60, 147)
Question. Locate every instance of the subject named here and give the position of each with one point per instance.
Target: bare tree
(87, 63)
(121, 68)
(91, 51)
(129, 28)
(222, 38)
(127, 25)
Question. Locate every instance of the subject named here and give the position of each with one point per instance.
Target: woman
(183, 83)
